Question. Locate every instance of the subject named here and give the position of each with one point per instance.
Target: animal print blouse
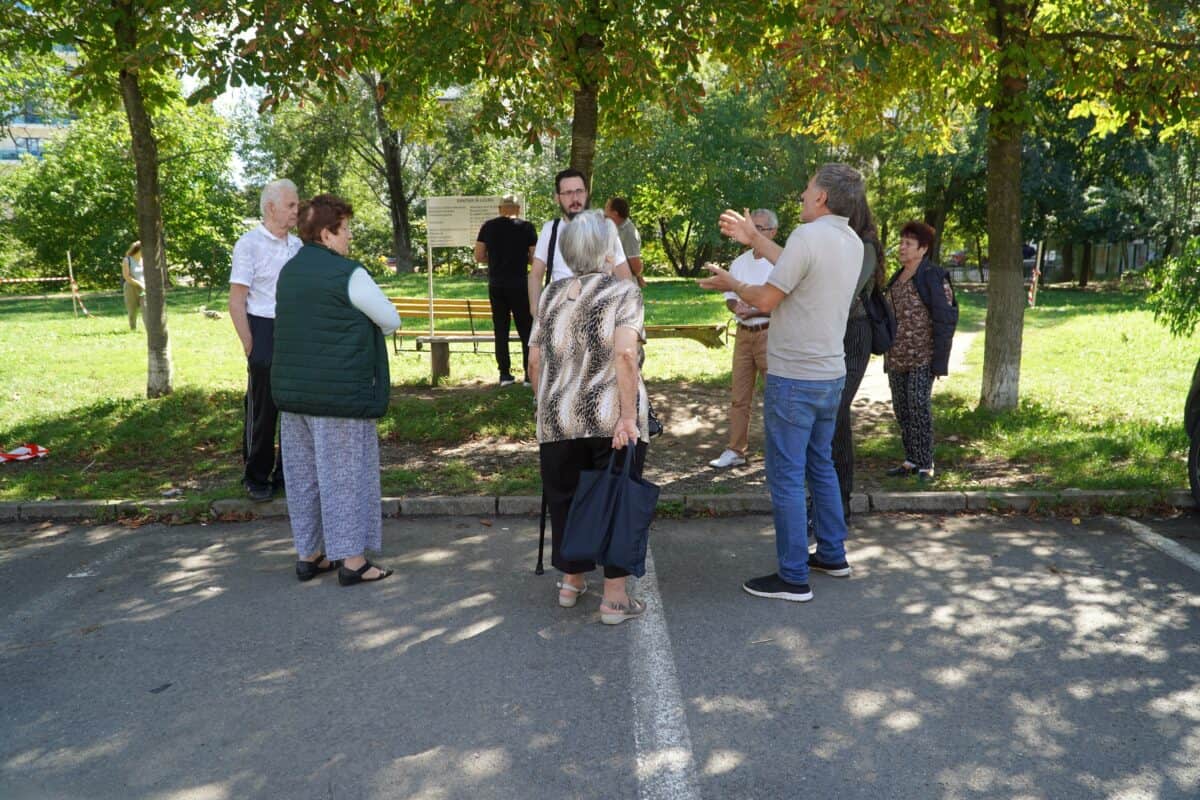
(913, 345)
(577, 386)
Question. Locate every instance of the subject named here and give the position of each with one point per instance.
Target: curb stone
(530, 505)
(918, 501)
(68, 509)
(470, 506)
(519, 504)
(728, 503)
(1008, 501)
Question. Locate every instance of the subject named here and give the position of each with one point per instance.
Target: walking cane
(538, 570)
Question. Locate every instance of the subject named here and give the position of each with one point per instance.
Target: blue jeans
(799, 418)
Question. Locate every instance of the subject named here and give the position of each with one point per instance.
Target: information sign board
(455, 221)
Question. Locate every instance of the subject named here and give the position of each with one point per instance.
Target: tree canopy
(79, 196)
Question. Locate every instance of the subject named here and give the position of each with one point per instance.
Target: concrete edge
(232, 509)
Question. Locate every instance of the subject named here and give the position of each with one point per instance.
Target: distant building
(25, 129)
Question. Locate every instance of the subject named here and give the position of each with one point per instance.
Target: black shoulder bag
(883, 319)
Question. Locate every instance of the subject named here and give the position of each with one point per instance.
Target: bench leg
(439, 361)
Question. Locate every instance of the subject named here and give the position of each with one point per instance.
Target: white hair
(272, 191)
(586, 240)
(768, 214)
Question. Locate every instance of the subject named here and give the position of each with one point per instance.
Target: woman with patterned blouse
(926, 315)
(583, 358)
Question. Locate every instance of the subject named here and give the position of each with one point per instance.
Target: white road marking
(1171, 547)
(666, 767)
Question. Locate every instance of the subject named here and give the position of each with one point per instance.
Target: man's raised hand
(738, 227)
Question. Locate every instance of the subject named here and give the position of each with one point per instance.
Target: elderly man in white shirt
(750, 344)
(258, 257)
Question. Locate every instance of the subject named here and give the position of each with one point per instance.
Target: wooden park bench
(476, 335)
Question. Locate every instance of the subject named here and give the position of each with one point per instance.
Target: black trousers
(561, 464)
(511, 301)
(264, 462)
(857, 344)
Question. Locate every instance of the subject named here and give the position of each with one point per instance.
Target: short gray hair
(586, 240)
(843, 186)
(272, 191)
(772, 220)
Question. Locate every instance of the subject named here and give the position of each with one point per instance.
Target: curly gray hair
(586, 240)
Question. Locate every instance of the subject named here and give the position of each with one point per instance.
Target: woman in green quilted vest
(329, 378)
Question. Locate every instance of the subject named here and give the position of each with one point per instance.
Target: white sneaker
(726, 460)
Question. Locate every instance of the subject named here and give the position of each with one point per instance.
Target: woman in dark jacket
(857, 344)
(926, 315)
(330, 380)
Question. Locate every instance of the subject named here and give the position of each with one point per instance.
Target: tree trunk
(935, 214)
(1006, 285)
(1085, 268)
(585, 121)
(159, 380)
(583, 131)
(389, 141)
(1068, 261)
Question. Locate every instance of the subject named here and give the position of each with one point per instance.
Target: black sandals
(349, 577)
(307, 570)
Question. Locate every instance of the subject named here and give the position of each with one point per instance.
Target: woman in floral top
(926, 315)
(583, 358)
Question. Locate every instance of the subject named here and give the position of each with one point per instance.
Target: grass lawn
(1103, 387)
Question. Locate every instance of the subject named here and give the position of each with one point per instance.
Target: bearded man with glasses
(571, 194)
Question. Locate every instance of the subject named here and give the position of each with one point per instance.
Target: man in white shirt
(750, 344)
(571, 193)
(808, 294)
(257, 258)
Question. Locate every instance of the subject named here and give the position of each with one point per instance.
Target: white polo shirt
(751, 270)
(561, 268)
(257, 258)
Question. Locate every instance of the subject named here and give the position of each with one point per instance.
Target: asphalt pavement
(970, 656)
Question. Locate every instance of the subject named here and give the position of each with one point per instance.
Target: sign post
(451, 222)
(455, 222)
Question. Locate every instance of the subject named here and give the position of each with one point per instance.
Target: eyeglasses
(764, 228)
(573, 193)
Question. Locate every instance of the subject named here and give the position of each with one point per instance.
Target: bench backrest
(445, 308)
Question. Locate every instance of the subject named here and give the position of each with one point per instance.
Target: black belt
(762, 327)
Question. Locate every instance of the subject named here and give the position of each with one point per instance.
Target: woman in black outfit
(857, 344)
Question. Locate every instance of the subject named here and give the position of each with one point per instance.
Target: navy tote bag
(610, 516)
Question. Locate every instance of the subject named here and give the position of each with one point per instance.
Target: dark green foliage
(80, 197)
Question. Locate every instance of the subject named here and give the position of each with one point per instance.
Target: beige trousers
(749, 362)
(133, 303)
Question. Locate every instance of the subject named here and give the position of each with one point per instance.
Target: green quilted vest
(330, 359)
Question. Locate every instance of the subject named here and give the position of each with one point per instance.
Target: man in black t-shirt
(505, 243)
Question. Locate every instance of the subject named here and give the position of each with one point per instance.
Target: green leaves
(1175, 299)
(80, 196)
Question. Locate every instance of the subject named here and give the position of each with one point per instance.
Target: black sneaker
(258, 492)
(901, 471)
(777, 588)
(839, 570)
(925, 476)
(507, 380)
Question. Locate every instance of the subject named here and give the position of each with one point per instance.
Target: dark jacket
(330, 359)
(928, 281)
